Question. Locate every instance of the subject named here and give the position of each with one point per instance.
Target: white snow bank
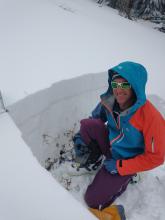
(27, 191)
(45, 41)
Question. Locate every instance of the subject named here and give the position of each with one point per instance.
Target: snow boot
(114, 212)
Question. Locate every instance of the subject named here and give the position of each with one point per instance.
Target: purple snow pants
(105, 187)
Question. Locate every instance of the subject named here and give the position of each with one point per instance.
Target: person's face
(124, 97)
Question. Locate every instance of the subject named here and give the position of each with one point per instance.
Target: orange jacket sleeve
(150, 122)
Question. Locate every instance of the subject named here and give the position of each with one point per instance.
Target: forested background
(153, 10)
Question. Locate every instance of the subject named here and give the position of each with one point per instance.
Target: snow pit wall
(49, 118)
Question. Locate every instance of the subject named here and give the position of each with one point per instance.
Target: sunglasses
(122, 85)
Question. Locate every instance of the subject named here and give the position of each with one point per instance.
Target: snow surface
(43, 42)
(27, 191)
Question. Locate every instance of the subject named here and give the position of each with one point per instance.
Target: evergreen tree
(146, 9)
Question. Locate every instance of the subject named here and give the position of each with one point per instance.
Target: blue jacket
(125, 140)
(137, 134)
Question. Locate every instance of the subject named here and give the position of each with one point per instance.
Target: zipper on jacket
(152, 145)
(118, 118)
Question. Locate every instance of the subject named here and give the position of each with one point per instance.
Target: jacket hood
(136, 75)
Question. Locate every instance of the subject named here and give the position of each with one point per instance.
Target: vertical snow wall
(49, 118)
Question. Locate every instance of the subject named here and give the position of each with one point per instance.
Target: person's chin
(121, 100)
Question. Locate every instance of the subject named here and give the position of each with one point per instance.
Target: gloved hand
(110, 165)
(79, 146)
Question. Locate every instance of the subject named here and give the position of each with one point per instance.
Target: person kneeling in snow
(127, 129)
